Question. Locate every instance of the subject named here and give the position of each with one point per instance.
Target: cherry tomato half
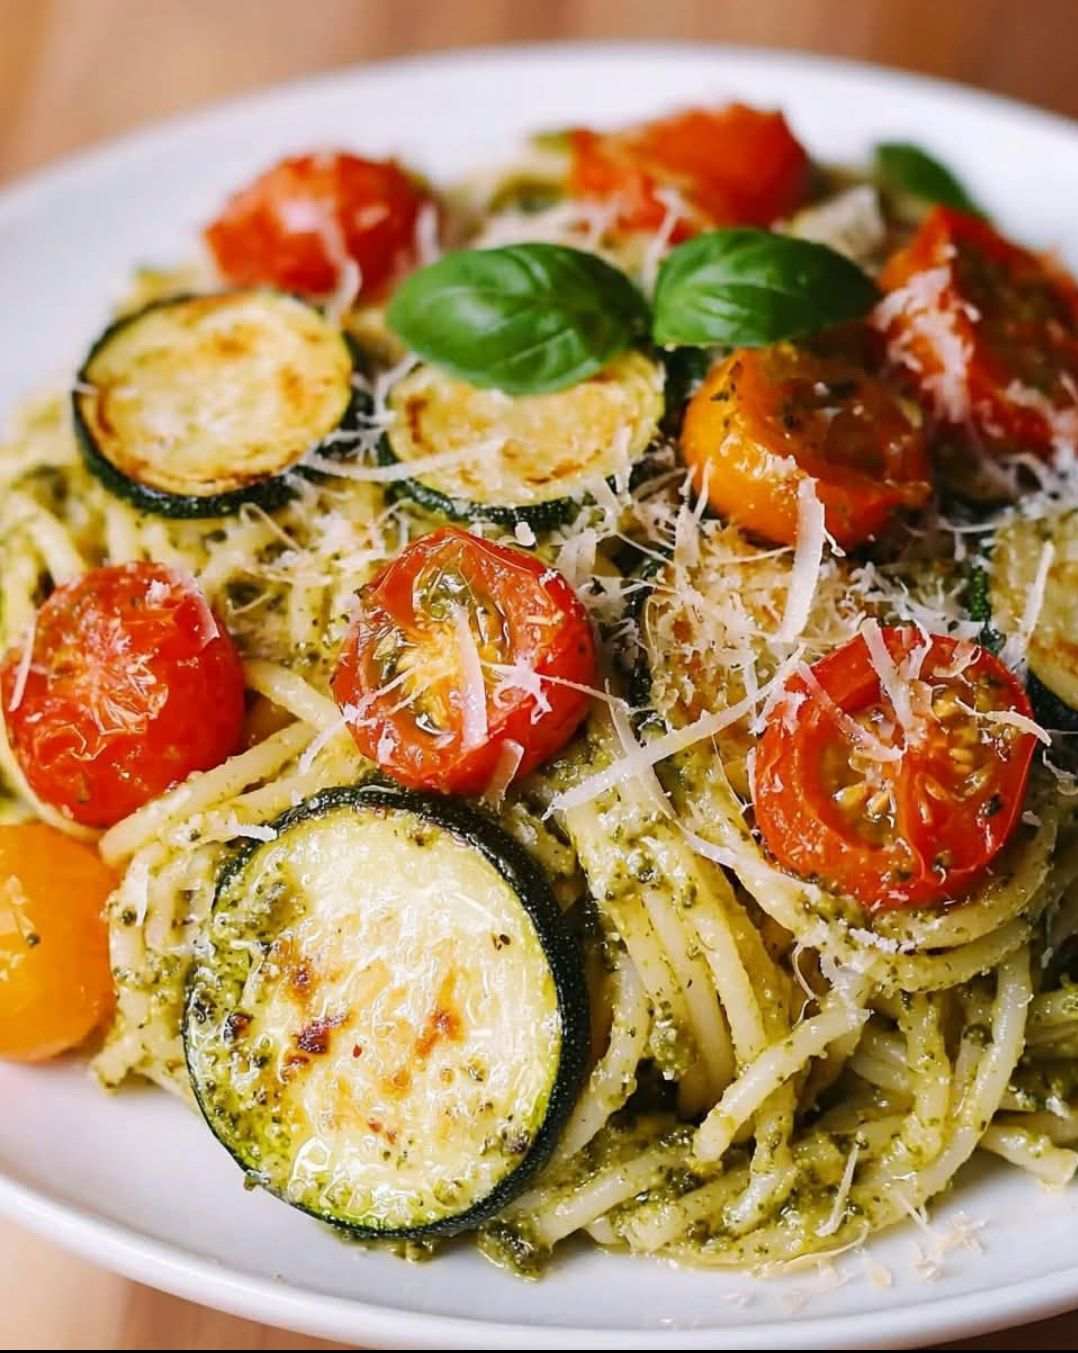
(302, 221)
(453, 608)
(132, 685)
(913, 831)
(732, 166)
(766, 419)
(55, 982)
(989, 332)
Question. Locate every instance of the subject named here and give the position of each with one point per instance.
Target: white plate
(135, 1182)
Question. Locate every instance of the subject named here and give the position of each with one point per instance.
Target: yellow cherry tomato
(55, 981)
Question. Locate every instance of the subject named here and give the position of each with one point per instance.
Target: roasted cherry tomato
(55, 982)
(989, 331)
(456, 653)
(300, 224)
(132, 684)
(895, 807)
(767, 419)
(731, 166)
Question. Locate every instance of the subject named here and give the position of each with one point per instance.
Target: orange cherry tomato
(132, 685)
(732, 166)
(989, 332)
(299, 224)
(424, 672)
(767, 419)
(55, 981)
(918, 829)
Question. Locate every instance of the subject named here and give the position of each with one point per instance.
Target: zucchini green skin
(531, 887)
(270, 493)
(636, 668)
(1049, 709)
(541, 517)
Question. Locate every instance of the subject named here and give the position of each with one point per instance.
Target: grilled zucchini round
(387, 1025)
(544, 453)
(195, 405)
(1052, 651)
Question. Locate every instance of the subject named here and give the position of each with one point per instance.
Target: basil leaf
(905, 168)
(526, 318)
(747, 288)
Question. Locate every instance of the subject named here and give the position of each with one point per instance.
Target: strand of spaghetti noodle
(151, 961)
(290, 692)
(1053, 1165)
(554, 1220)
(889, 1190)
(933, 972)
(258, 806)
(980, 1102)
(705, 1014)
(638, 811)
(629, 919)
(18, 583)
(733, 948)
(204, 789)
(879, 1072)
(1061, 1128)
(613, 1078)
(873, 1133)
(656, 1224)
(838, 1016)
(157, 545)
(127, 955)
(50, 537)
(772, 1171)
(235, 554)
(306, 615)
(709, 917)
(122, 543)
(921, 1021)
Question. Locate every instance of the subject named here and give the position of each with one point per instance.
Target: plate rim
(180, 1271)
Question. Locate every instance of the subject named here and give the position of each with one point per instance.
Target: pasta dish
(545, 706)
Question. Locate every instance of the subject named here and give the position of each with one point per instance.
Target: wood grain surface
(75, 71)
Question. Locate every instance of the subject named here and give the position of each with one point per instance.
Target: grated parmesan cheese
(838, 1211)
(22, 671)
(1014, 650)
(931, 321)
(808, 557)
(473, 689)
(510, 755)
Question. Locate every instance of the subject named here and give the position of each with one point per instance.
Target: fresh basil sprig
(746, 288)
(907, 169)
(526, 318)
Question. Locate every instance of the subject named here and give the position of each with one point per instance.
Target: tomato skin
(524, 612)
(133, 685)
(1013, 316)
(294, 225)
(55, 981)
(733, 166)
(766, 419)
(952, 800)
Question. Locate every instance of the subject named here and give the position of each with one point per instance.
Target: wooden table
(74, 71)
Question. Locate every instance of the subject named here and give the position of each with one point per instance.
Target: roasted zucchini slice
(1052, 651)
(387, 1024)
(544, 453)
(195, 405)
